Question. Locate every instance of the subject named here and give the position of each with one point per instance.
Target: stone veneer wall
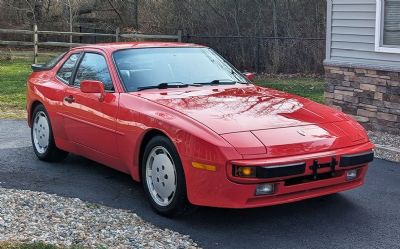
(372, 97)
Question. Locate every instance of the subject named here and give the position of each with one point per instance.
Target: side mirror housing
(249, 76)
(93, 86)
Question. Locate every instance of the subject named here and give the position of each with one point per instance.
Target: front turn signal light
(204, 166)
(244, 171)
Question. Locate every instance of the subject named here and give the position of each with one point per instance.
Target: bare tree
(72, 10)
(250, 19)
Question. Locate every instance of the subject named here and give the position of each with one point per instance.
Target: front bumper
(222, 189)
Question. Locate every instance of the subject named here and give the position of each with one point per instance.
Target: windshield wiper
(164, 86)
(219, 82)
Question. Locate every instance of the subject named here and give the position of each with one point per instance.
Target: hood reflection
(242, 108)
(249, 101)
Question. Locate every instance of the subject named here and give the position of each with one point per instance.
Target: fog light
(351, 174)
(265, 189)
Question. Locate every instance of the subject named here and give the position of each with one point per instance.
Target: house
(363, 61)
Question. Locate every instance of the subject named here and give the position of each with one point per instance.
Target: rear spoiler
(39, 67)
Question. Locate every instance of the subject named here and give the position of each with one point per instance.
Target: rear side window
(94, 67)
(67, 69)
(51, 63)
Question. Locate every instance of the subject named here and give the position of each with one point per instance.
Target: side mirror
(249, 76)
(93, 86)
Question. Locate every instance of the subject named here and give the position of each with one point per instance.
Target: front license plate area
(332, 165)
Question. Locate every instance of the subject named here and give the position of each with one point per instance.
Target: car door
(89, 121)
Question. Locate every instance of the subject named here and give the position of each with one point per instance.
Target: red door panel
(90, 122)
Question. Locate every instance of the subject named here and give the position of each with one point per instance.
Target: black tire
(51, 153)
(179, 203)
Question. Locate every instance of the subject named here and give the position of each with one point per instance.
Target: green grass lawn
(13, 75)
(309, 87)
(37, 245)
(15, 245)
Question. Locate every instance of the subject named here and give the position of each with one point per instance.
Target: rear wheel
(42, 137)
(163, 178)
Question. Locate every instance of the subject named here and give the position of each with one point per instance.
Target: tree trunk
(70, 20)
(136, 12)
(276, 52)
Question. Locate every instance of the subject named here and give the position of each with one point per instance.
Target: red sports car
(192, 128)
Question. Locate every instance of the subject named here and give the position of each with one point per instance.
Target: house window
(388, 26)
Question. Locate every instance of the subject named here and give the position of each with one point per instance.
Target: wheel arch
(145, 140)
(31, 109)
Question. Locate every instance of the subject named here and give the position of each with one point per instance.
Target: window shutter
(391, 26)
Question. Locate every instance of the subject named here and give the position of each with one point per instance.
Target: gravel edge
(387, 145)
(28, 216)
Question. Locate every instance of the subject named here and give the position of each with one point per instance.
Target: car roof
(111, 47)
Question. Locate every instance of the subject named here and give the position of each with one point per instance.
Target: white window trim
(379, 47)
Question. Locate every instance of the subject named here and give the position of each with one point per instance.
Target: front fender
(191, 139)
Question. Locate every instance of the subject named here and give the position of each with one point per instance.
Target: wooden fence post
(179, 35)
(35, 44)
(117, 32)
(258, 55)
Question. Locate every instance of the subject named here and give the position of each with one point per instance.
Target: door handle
(70, 99)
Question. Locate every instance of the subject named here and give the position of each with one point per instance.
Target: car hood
(244, 108)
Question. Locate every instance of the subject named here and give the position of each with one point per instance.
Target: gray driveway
(368, 217)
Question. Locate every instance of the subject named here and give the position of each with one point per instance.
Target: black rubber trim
(280, 170)
(356, 159)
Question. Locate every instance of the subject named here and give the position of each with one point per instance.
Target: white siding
(352, 35)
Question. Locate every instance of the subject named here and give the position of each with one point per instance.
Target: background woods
(273, 36)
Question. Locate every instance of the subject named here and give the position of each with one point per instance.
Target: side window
(94, 67)
(67, 69)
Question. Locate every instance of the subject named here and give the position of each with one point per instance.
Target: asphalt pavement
(368, 217)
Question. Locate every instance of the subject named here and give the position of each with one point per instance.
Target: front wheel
(163, 178)
(42, 137)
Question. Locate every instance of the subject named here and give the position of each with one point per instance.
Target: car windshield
(153, 67)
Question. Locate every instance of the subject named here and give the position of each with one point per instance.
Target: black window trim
(68, 83)
(71, 83)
